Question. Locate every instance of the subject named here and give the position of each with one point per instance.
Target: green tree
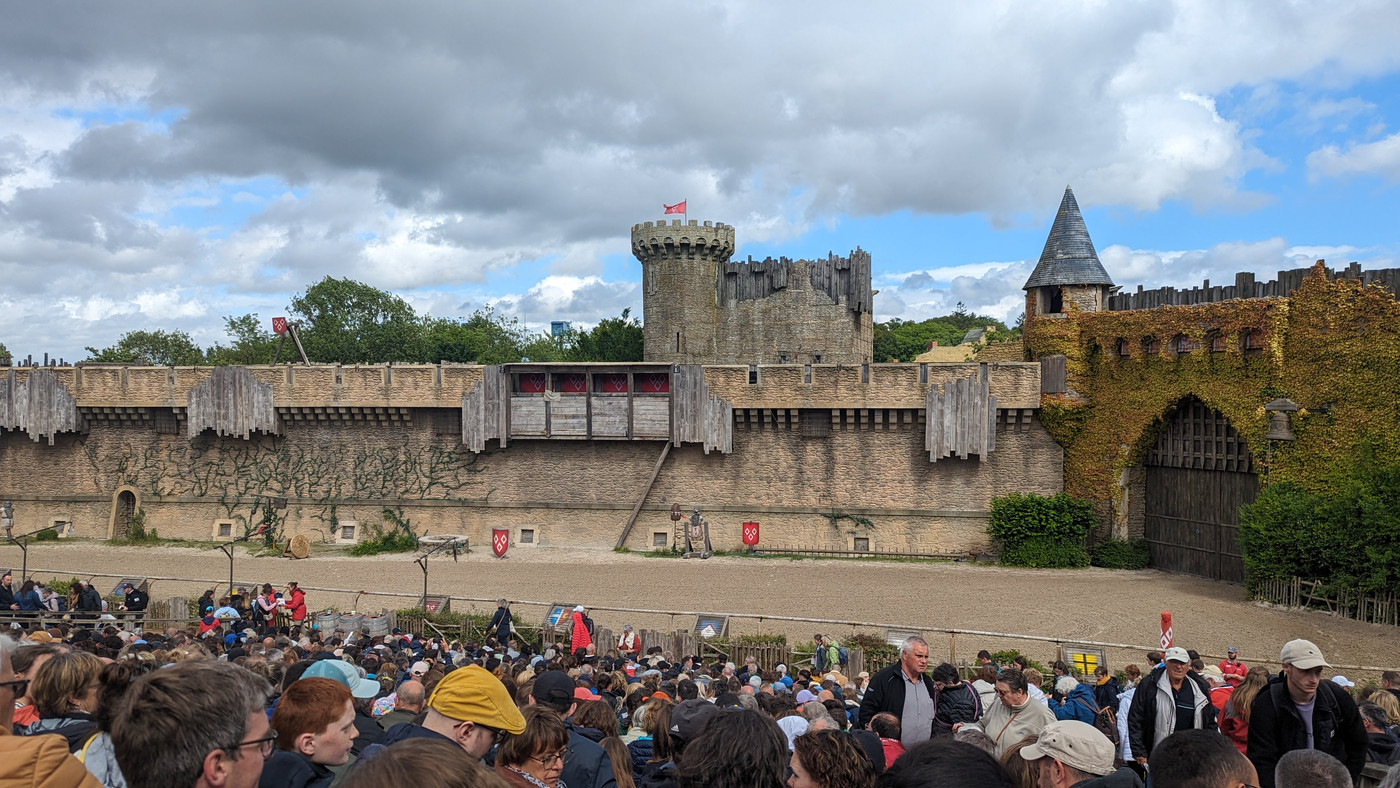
(157, 348)
(902, 340)
(485, 338)
(5, 358)
(252, 344)
(613, 339)
(350, 322)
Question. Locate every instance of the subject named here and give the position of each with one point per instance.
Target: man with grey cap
(1074, 754)
(1297, 710)
(1171, 698)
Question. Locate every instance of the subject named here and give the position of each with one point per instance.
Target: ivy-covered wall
(1333, 347)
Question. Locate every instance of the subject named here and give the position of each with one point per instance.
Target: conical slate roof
(1069, 257)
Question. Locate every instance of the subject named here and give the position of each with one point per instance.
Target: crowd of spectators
(266, 700)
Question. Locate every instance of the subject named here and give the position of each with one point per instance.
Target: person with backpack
(827, 655)
(954, 700)
(500, 623)
(1078, 702)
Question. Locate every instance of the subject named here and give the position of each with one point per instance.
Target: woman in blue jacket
(1078, 700)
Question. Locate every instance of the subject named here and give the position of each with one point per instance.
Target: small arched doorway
(123, 508)
(1198, 473)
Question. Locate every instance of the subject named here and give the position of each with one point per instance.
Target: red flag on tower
(677, 208)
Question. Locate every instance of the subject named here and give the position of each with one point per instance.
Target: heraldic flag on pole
(677, 208)
(1166, 629)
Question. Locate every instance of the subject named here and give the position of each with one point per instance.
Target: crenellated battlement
(653, 241)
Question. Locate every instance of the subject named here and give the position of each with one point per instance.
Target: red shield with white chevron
(500, 541)
(750, 534)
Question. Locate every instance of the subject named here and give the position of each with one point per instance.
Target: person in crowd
(1073, 753)
(1023, 773)
(651, 753)
(315, 724)
(1382, 746)
(535, 757)
(1077, 701)
(294, 601)
(886, 726)
(903, 689)
(195, 724)
(409, 699)
(88, 601)
(1392, 709)
(1132, 674)
(1311, 769)
(499, 627)
(621, 761)
(1234, 717)
(954, 701)
(265, 608)
(1232, 669)
(226, 610)
(580, 633)
(829, 759)
(587, 765)
(26, 661)
(134, 601)
(985, 685)
(736, 747)
(28, 599)
(7, 592)
(628, 643)
(469, 707)
(97, 753)
(688, 718)
(206, 599)
(422, 763)
(1300, 711)
(1200, 759)
(32, 760)
(1034, 680)
(65, 692)
(1171, 698)
(1106, 688)
(945, 763)
(1220, 689)
(1015, 715)
(367, 729)
(984, 659)
(1390, 682)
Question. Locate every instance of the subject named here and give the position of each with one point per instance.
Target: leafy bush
(47, 535)
(1039, 531)
(1040, 552)
(398, 537)
(136, 533)
(1349, 539)
(1122, 554)
(1003, 658)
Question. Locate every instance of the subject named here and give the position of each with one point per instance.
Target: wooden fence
(1370, 608)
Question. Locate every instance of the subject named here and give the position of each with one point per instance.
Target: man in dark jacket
(954, 701)
(903, 690)
(89, 601)
(586, 763)
(1382, 748)
(1171, 698)
(1300, 711)
(7, 592)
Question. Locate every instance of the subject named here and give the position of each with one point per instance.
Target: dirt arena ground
(1090, 604)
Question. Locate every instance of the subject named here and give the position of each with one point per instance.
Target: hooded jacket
(955, 703)
(1007, 725)
(1275, 728)
(77, 728)
(1077, 705)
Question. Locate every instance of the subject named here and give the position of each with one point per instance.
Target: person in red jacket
(581, 638)
(296, 603)
(1234, 670)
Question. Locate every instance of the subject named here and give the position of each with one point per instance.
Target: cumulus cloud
(1381, 157)
(230, 154)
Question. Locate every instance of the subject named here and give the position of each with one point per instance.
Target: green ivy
(1039, 531)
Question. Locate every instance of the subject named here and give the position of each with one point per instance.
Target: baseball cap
(470, 694)
(582, 693)
(553, 686)
(1176, 654)
(1302, 654)
(1076, 744)
(419, 668)
(690, 716)
(578, 608)
(1232, 650)
(1213, 672)
(1342, 681)
(728, 701)
(344, 673)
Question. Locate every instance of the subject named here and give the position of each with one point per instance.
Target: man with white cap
(1171, 698)
(1298, 710)
(1073, 753)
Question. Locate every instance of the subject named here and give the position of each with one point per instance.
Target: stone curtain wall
(806, 492)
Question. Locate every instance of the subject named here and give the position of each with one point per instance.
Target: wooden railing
(1314, 595)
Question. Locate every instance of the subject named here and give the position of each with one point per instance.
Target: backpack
(844, 657)
(588, 625)
(1106, 721)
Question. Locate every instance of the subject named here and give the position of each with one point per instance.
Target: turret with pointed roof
(1069, 269)
(1069, 257)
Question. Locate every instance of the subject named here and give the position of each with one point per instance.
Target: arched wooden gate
(1198, 474)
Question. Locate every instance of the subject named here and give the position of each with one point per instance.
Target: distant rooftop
(1069, 257)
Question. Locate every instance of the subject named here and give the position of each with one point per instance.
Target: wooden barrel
(377, 626)
(350, 623)
(327, 622)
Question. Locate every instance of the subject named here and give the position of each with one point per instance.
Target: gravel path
(1089, 604)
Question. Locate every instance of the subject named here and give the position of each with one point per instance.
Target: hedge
(1039, 531)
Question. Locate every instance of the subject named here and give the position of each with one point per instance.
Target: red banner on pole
(500, 541)
(1166, 629)
(279, 325)
(677, 208)
(750, 534)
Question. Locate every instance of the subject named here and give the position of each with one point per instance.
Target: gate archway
(124, 504)
(1199, 473)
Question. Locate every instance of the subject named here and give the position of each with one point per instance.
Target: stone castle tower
(1069, 271)
(700, 308)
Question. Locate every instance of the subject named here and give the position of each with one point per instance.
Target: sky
(164, 165)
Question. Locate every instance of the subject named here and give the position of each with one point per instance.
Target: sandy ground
(1090, 604)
